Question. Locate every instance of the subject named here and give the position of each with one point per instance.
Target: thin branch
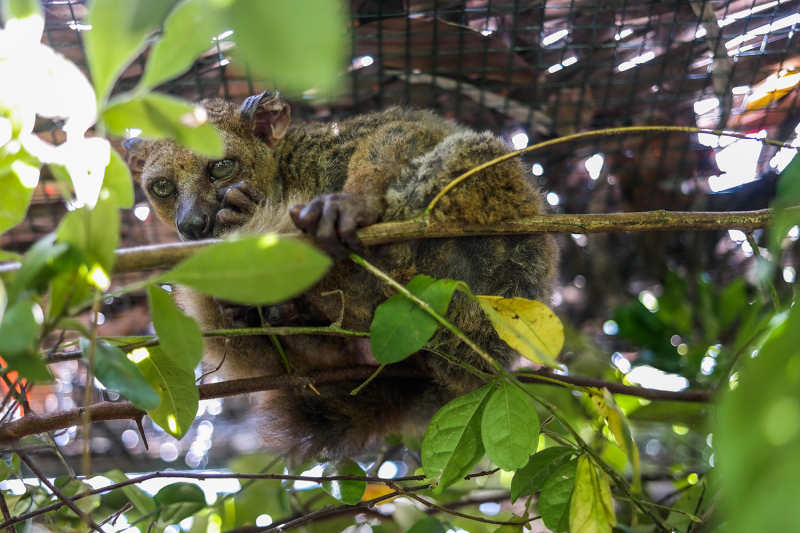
(167, 255)
(330, 331)
(6, 515)
(439, 508)
(113, 517)
(199, 476)
(591, 134)
(105, 411)
(58, 493)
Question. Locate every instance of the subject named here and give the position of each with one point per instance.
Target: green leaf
(117, 182)
(349, 492)
(94, 235)
(554, 500)
(531, 477)
(118, 374)
(591, 510)
(164, 117)
(427, 525)
(17, 185)
(510, 427)
(3, 300)
(452, 445)
(757, 442)
(5, 470)
(118, 35)
(37, 266)
(179, 501)
(693, 501)
(113, 43)
(787, 195)
(139, 498)
(256, 270)
(310, 34)
(21, 9)
(400, 327)
(732, 301)
(18, 335)
(72, 487)
(175, 385)
(188, 32)
(179, 335)
(95, 232)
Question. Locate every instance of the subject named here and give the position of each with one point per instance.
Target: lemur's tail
(337, 424)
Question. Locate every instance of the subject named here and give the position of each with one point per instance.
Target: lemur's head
(186, 189)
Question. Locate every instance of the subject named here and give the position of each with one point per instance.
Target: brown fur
(396, 161)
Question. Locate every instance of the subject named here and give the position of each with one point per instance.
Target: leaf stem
(620, 482)
(368, 381)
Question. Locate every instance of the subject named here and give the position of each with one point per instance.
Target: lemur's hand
(238, 204)
(333, 219)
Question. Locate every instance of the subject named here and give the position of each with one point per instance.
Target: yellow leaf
(528, 326)
(620, 428)
(591, 509)
(376, 490)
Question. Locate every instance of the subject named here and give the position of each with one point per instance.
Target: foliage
(577, 465)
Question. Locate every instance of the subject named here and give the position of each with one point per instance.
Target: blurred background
(650, 308)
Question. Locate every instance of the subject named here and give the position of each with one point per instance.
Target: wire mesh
(528, 70)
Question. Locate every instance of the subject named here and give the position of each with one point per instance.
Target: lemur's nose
(195, 226)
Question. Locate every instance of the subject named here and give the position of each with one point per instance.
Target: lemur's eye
(219, 170)
(163, 188)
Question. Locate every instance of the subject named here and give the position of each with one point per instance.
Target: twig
(58, 493)
(590, 134)
(439, 508)
(6, 515)
(105, 411)
(167, 255)
(332, 331)
(127, 507)
(199, 476)
(368, 381)
(481, 474)
(86, 461)
(510, 378)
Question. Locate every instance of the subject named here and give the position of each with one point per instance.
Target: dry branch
(104, 411)
(167, 255)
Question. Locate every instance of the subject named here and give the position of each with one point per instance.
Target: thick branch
(104, 411)
(167, 255)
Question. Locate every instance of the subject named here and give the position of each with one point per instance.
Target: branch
(58, 492)
(441, 509)
(592, 134)
(167, 255)
(104, 411)
(200, 476)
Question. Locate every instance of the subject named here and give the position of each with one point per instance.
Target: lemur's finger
(229, 217)
(346, 227)
(255, 194)
(327, 233)
(236, 199)
(309, 216)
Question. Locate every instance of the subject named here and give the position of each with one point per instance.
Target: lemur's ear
(136, 154)
(268, 116)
